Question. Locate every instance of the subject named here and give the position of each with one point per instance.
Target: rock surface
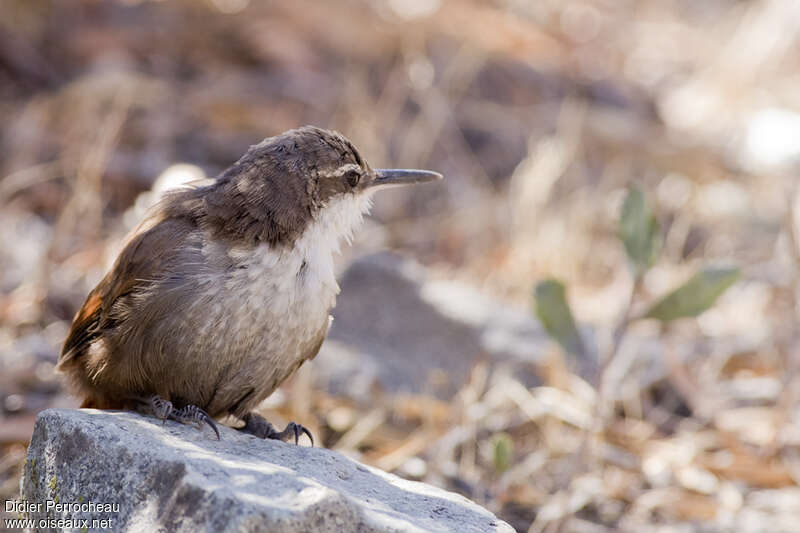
(172, 477)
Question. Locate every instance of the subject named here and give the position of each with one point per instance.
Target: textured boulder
(172, 477)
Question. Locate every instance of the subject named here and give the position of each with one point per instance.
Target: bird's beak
(394, 177)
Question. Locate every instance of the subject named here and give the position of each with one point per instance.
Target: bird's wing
(148, 254)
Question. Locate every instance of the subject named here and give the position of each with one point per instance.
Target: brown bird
(225, 289)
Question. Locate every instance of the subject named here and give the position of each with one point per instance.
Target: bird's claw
(298, 430)
(192, 413)
(257, 425)
(164, 410)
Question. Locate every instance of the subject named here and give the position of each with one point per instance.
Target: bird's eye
(352, 178)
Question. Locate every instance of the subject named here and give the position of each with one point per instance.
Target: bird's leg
(257, 425)
(154, 405)
(163, 410)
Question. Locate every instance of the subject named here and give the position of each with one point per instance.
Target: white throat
(334, 222)
(314, 249)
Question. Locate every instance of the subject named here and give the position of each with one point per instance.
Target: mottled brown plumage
(225, 290)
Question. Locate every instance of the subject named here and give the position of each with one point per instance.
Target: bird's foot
(163, 410)
(159, 407)
(259, 426)
(193, 414)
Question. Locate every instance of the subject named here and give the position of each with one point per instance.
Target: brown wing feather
(144, 257)
(84, 326)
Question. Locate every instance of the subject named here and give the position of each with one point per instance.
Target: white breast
(299, 280)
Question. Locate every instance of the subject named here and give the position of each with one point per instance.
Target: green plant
(638, 230)
(502, 452)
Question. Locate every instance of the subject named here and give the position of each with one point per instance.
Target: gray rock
(397, 328)
(172, 477)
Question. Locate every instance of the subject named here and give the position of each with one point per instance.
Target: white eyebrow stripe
(344, 169)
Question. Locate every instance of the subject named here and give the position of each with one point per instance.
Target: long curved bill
(395, 177)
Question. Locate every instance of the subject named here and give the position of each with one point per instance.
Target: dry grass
(539, 113)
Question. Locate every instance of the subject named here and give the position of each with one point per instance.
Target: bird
(226, 288)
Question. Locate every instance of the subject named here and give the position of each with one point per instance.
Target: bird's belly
(258, 330)
(260, 359)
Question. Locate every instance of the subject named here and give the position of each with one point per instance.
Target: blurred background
(540, 114)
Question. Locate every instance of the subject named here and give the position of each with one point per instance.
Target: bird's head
(302, 179)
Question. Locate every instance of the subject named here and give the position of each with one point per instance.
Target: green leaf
(695, 296)
(554, 313)
(503, 452)
(638, 231)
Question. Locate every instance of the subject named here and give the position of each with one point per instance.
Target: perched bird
(225, 289)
